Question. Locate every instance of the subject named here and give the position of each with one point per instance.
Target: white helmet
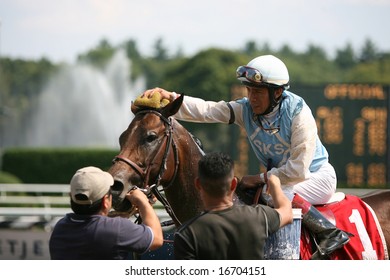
(264, 70)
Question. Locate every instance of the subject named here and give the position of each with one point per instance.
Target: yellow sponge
(152, 102)
(164, 102)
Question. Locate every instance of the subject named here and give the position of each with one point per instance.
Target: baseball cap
(92, 183)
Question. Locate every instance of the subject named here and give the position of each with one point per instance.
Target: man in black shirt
(225, 230)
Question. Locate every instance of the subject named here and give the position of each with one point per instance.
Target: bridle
(145, 173)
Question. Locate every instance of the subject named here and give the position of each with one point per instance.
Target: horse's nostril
(116, 191)
(118, 200)
(117, 187)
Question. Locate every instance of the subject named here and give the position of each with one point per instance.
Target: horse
(379, 202)
(157, 151)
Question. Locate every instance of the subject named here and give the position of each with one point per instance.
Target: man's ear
(106, 202)
(278, 92)
(233, 184)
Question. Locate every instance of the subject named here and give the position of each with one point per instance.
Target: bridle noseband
(144, 173)
(133, 165)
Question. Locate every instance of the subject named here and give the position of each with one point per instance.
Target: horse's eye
(152, 136)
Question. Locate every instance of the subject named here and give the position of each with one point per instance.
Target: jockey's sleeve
(196, 109)
(302, 149)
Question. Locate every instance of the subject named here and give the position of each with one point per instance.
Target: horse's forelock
(143, 109)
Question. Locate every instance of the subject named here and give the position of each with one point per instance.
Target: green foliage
(8, 178)
(345, 58)
(369, 51)
(161, 53)
(133, 54)
(53, 166)
(21, 80)
(371, 72)
(208, 74)
(100, 55)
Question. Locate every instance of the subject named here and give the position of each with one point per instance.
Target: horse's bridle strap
(131, 163)
(145, 174)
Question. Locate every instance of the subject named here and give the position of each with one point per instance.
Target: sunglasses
(250, 74)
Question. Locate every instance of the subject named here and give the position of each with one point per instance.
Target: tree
(315, 53)
(286, 51)
(210, 74)
(369, 51)
(131, 50)
(160, 52)
(100, 55)
(311, 67)
(250, 48)
(135, 57)
(345, 58)
(179, 53)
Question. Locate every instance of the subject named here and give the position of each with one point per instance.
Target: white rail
(29, 205)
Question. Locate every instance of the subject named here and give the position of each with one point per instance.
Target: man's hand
(164, 94)
(148, 215)
(137, 197)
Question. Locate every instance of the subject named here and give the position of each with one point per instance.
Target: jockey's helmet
(265, 70)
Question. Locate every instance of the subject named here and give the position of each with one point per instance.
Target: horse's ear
(171, 108)
(134, 108)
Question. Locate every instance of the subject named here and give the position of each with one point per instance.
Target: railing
(29, 205)
(26, 206)
(28, 213)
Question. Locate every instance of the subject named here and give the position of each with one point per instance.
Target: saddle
(350, 214)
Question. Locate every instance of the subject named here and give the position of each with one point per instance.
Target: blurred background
(69, 71)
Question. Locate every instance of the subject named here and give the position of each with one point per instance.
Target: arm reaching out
(149, 217)
(281, 202)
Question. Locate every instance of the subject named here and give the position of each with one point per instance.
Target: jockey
(281, 129)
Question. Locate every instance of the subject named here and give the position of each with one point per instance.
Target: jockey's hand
(249, 182)
(164, 94)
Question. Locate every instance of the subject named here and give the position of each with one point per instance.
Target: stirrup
(317, 256)
(323, 252)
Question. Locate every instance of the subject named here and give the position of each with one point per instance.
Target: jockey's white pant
(318, 189)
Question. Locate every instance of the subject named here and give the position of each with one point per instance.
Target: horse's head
(145, 149)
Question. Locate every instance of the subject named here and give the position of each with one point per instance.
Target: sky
(61, 30)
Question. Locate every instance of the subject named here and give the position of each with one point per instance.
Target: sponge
(153, 102)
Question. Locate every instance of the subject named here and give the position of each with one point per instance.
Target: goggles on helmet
(251, 74)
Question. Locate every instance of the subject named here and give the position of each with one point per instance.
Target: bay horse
(157, 151)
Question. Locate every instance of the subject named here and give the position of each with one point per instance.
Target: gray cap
(92, 182)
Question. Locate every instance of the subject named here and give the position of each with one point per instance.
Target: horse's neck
(182, 195)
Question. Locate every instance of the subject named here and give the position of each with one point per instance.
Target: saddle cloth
(352, 215)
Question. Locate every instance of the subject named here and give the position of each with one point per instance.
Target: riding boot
(329, 238)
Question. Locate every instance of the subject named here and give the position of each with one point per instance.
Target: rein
(144, 174)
